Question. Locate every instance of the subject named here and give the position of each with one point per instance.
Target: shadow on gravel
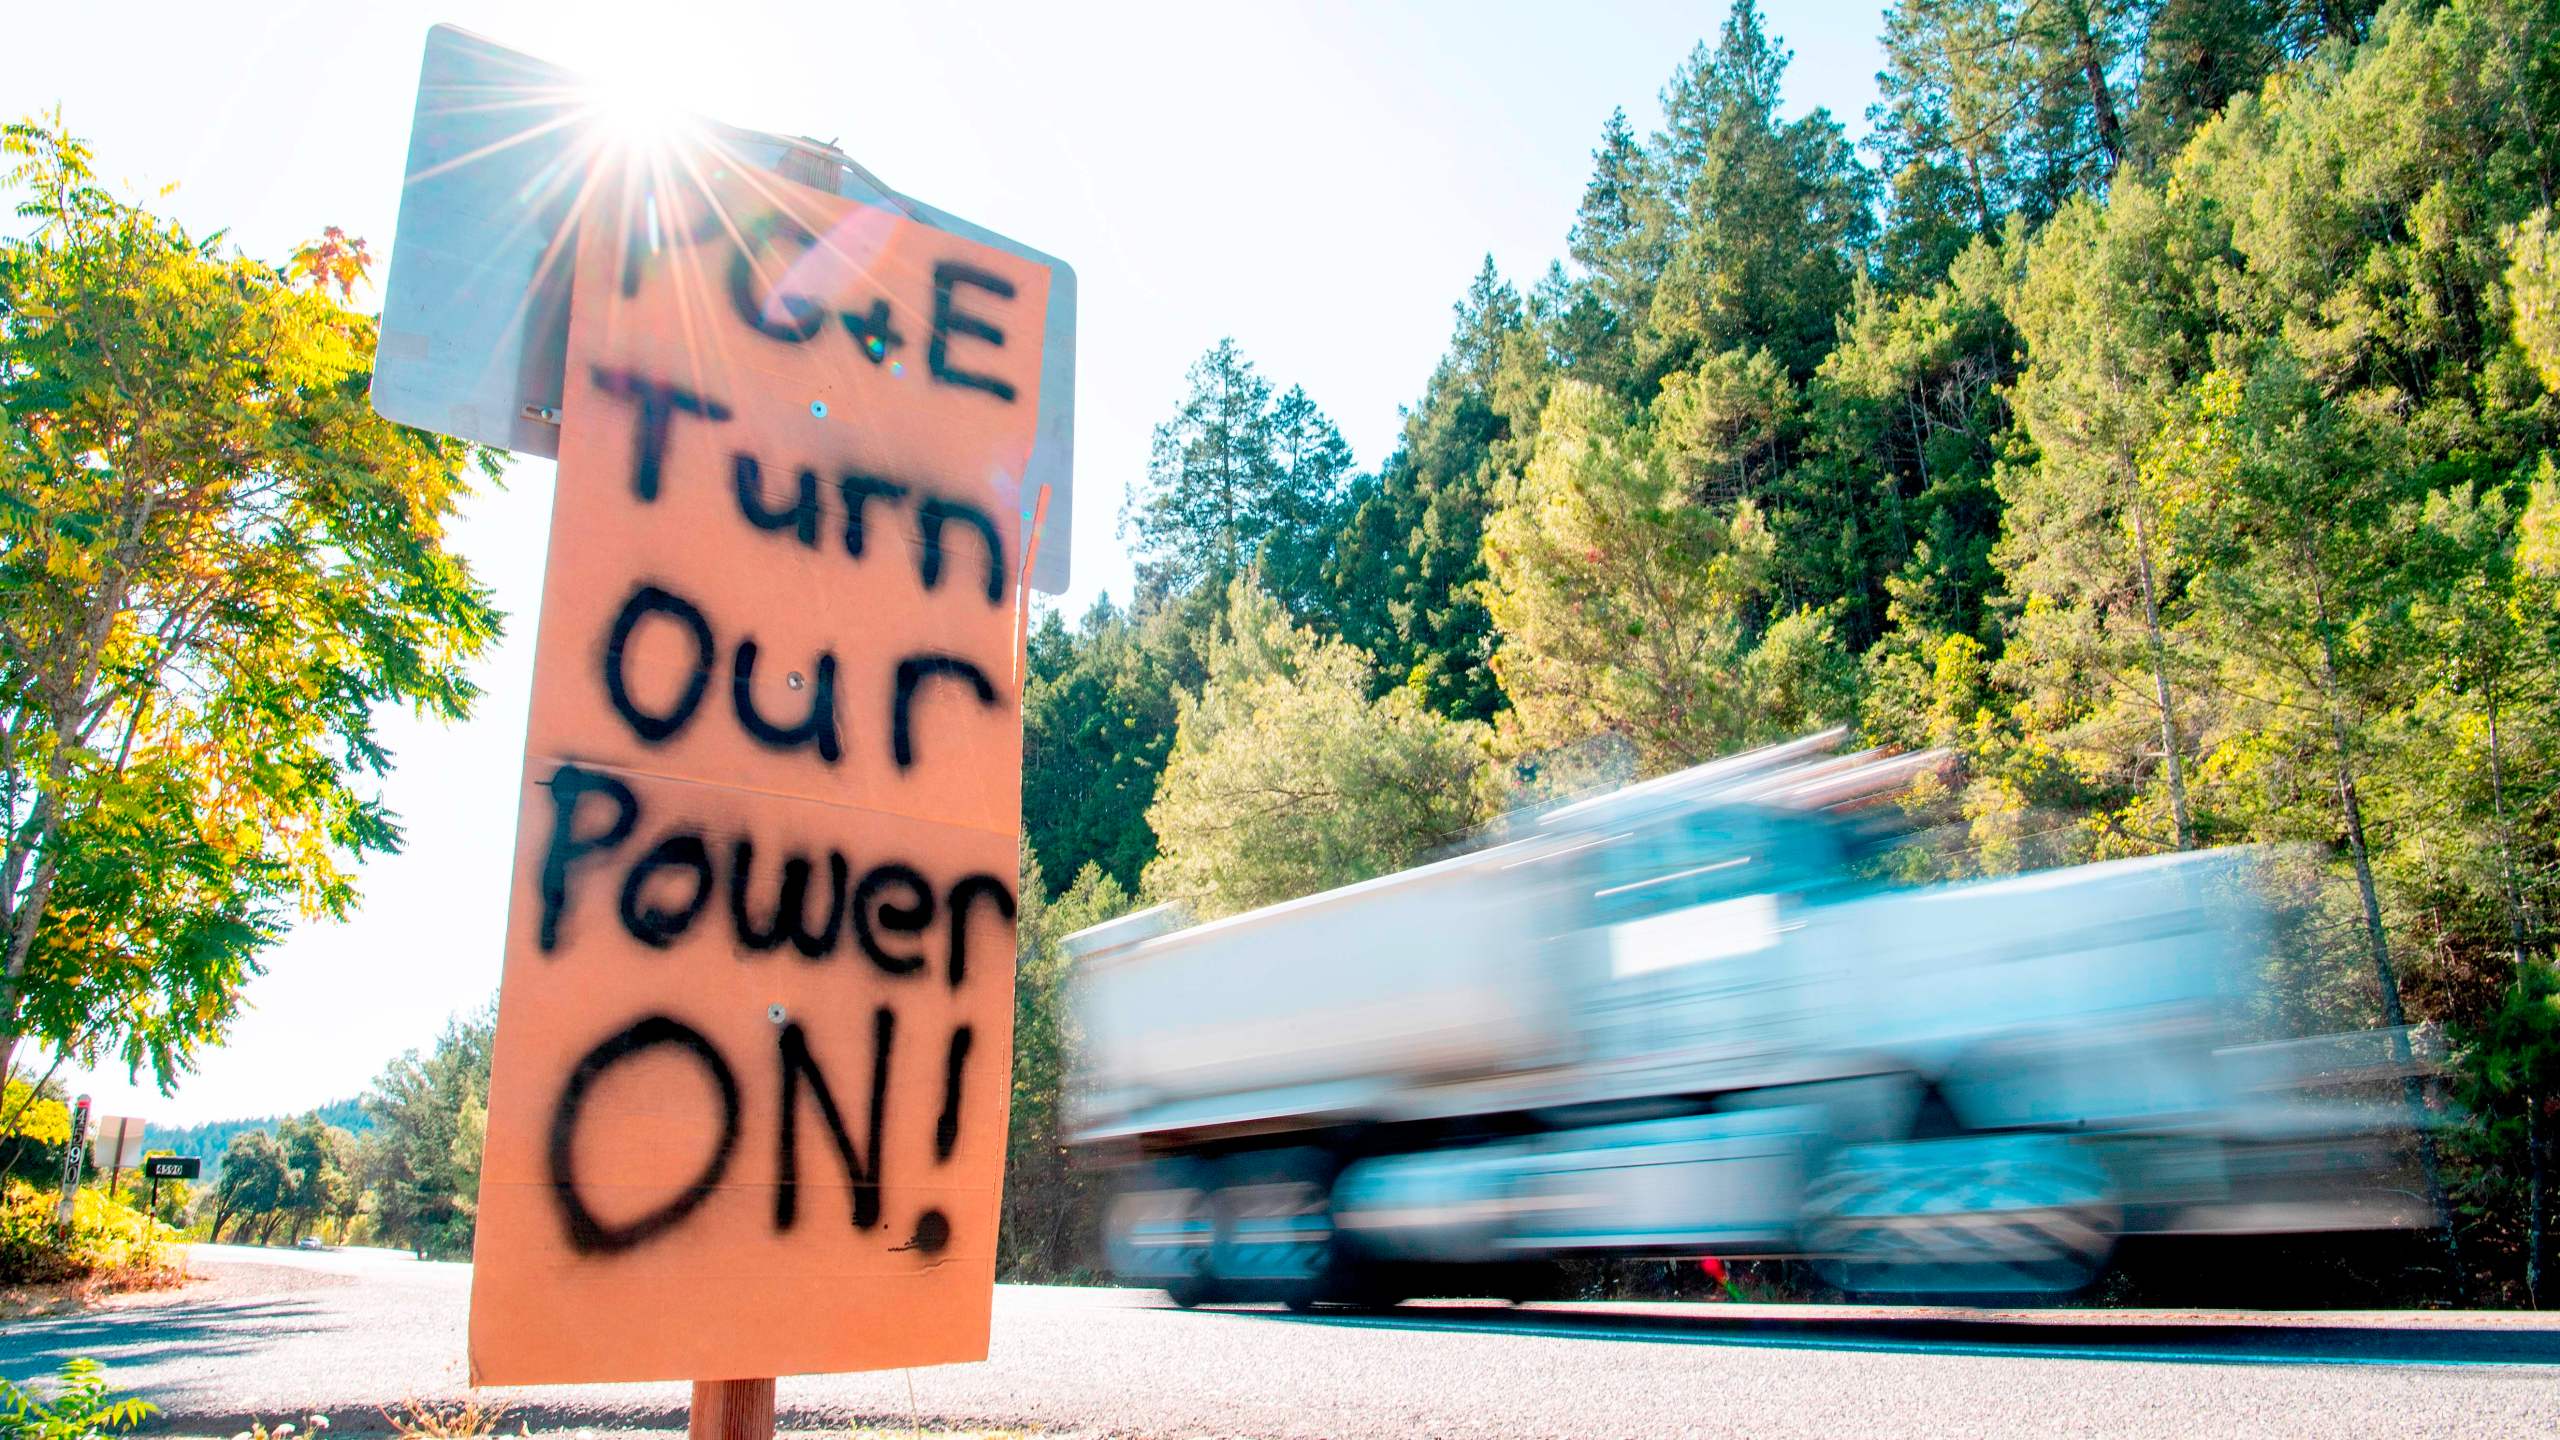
(141, 1336)
(2186, 1344)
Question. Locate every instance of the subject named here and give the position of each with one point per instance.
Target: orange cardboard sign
(747, 1114)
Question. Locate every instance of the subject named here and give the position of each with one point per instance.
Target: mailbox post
(169, 1167)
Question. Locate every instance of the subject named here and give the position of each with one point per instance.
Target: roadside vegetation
(76, 1404)
(399, 1167)
(113, 1246)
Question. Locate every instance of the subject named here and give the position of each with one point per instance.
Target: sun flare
(632, 114)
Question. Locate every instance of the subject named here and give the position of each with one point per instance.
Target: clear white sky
(1319, 181)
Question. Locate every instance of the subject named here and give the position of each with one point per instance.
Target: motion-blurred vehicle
(1669, 1021)
(309, 1242)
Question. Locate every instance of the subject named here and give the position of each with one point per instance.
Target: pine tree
(2001, 107)
(1768, 215)
(1628, 607)
(1621, 233)
(1313, 466)
(1212, 485)
(2200, 55)
(1406, 562)
(1936, 135)
(1097, 720)
(2112, 334)
(1235, 473)
(1288, 777)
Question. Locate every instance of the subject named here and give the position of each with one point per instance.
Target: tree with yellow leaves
(215, 562)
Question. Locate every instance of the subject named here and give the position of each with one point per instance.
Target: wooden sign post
(731, 1410)
(748, 1105)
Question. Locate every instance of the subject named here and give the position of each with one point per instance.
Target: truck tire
(1969, 1218)
(1275, 1238)
(1159, 1226)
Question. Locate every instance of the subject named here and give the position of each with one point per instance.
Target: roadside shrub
(112, 1244)
(76, 1406)
(34, 1126)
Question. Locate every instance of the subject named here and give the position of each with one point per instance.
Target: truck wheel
(1159, 1226)
(1274, 1236)
(1969, 1218)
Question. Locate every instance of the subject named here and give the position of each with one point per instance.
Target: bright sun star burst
(637, 115)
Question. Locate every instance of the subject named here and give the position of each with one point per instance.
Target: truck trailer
(1674, 1020)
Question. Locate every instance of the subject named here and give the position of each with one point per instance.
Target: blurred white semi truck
(1667, 1022)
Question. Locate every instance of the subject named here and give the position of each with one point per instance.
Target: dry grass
(88, 1292)
(415, 1419)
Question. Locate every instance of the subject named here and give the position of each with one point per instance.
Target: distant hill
(211, 1138)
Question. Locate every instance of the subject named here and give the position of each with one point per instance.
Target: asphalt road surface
(276, 1334)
